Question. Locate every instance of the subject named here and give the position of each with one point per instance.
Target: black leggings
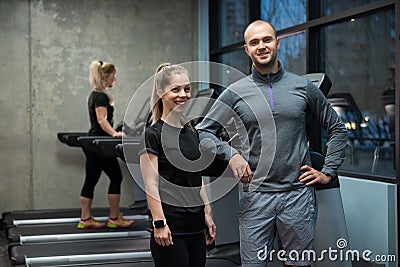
(95, 164)
(187, 251)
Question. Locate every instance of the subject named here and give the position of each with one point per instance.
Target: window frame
(312, 27)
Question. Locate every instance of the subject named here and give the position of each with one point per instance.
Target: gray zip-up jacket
(269, 114)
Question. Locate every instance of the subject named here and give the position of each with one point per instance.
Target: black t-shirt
(99, 99)
(179, 186)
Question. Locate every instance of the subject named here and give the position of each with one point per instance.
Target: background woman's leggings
(95, 164)
(187, 251)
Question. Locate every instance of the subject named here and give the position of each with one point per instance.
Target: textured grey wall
(45, 51)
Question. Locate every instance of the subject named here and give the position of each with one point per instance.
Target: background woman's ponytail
(95, 76)
(98, 72)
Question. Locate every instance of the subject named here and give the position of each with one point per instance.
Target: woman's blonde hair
(162, 79)
(98, 72)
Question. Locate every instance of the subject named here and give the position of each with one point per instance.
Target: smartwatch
(160, 223)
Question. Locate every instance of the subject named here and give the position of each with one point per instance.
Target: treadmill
(39, 229)
(53, 253)
(28, 217)
(226, 256)
(72, 139)
(31, 234)
(138, 211)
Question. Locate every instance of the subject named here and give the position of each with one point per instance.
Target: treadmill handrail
(87, 142)
(71, 138)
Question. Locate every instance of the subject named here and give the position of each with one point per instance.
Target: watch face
(159, 223)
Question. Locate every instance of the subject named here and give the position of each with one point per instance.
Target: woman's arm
(210, 225)
(101, 115)
(149, 168)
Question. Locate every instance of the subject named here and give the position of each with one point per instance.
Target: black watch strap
(159, 223)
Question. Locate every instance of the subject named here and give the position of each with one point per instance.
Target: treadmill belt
(9, 217)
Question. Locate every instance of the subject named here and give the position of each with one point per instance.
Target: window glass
(283, 13)
(292, 53)
(329, 7)
(237, 59)
(359, 58)
(233, 19)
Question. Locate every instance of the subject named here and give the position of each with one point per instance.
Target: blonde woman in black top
(182, 223)
(102, 76)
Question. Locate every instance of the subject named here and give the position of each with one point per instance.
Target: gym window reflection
(232, 19)
(292, 53)
(359, 58)
(236, 59)
(283, 13)
(329, 7)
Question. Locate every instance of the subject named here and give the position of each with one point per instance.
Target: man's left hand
(312, 176)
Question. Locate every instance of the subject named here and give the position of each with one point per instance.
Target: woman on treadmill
(102, 76)
(182, 225)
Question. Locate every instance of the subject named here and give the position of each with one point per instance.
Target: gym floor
(4, 262)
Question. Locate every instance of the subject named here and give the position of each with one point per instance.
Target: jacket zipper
(271, 98)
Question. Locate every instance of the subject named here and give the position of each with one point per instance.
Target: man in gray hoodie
(271, 156)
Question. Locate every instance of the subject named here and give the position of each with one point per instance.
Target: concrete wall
(45, 51)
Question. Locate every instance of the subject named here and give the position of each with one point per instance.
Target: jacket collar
(268, 77)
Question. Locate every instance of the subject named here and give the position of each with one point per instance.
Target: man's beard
(268, 65)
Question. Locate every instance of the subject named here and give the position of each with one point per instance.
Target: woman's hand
(163, 236)
(211, 229)
(119, 134)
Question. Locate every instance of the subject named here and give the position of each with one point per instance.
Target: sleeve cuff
(330, 172)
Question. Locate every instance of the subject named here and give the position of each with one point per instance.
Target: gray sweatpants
(290, 216)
